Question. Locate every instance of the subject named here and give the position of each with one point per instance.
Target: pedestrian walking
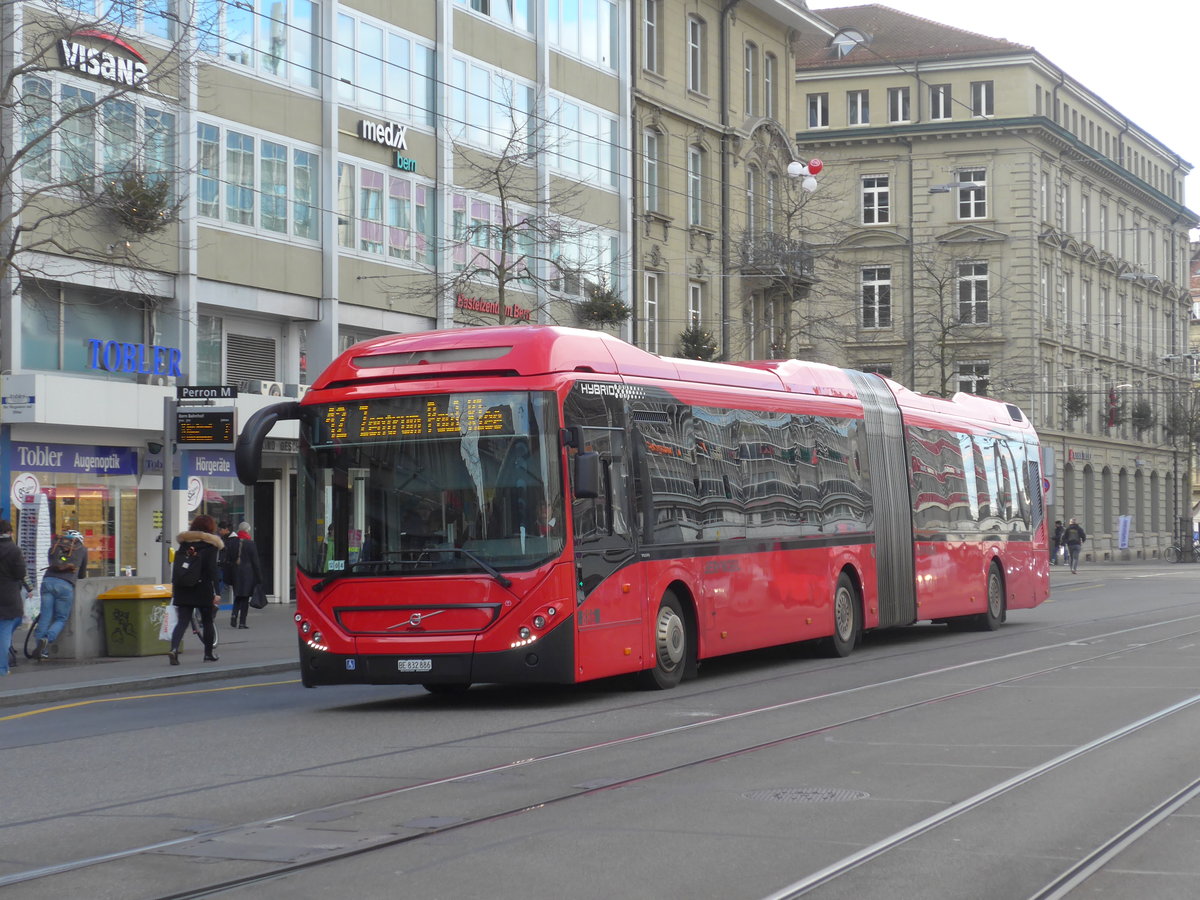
(13, 577)
(1073, 537)
(194, 581)
(68, 563)
(1056, 542)
(247, 575)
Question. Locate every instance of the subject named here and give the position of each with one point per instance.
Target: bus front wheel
(670, 646)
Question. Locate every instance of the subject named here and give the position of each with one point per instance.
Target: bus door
(609, 609)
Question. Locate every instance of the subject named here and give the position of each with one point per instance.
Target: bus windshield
(429, 484)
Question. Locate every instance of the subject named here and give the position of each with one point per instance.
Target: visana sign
(101, 63)
(391, 134)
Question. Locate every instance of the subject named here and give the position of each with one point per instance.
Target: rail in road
(1057, 754)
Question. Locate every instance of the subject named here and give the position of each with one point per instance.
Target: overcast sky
(1142, 60)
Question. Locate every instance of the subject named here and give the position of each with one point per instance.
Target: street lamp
(953, 185)
(1139, 278)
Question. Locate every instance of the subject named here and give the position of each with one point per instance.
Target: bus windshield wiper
(486, 566)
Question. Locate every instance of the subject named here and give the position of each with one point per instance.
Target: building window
(973, 293)
(491, 109)
(513, 13)
(752, 203)
(972, 194)
(650, 312)
(983, 99)
(974, 377)
(651, 50)
(378, 68)
(277, 38)
(61, 322)
(582, 141)
(650, 173)
(750, 76)
(695, 304)
(384, 214)
(876, 206)
(82, 136)
(898, 104)
(859, 109)
(696, 54)
(884, 369)
(939, 102)
(772, 217)
(695, 185)
(586, 30)
(876, 297)
(124, 16)
(259, 183)
(770, 77)
(818, 110)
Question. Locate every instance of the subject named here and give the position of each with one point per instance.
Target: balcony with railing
(770, 255)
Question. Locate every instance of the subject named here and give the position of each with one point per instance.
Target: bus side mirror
(587, 475)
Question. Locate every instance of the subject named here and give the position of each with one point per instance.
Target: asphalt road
(929, 764)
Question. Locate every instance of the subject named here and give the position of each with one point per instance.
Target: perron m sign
(129, 67)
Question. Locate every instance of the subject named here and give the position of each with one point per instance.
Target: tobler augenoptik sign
(126, 67)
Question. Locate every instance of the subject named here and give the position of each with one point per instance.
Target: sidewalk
(267, 646)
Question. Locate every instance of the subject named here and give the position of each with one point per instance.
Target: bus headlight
(539, 622)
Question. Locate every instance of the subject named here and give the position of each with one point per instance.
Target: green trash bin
(133, 617)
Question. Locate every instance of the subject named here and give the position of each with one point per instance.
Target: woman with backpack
(195, 584)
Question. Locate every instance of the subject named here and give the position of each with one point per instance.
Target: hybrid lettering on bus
(541, 504)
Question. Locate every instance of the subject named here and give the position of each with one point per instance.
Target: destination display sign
(207, 426)
(381, 420)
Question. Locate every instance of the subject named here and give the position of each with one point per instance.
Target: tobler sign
(126, 67)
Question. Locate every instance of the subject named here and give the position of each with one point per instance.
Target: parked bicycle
(1178, 554)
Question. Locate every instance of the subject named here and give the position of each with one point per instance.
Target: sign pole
(168, 486)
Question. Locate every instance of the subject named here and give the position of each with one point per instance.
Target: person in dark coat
(204, 595)
(1056, 542)
(13, 575)
(247, 574)
(1073, 537)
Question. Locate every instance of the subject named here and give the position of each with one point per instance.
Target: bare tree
(794, 286)
(64, 194)
(521, 233)
(958, 298)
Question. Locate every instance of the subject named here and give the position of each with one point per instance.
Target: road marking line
(48, 709)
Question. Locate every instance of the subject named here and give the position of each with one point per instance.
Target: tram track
(562, 797)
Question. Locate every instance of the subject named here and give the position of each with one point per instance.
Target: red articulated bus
(540, 504)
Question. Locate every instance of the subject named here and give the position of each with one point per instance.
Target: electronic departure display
(208, 426)
(376, 420)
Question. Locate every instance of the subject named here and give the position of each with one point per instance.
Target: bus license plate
(414, 665)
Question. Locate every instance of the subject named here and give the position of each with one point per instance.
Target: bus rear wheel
(671, 647)
(847, 621)
(992, 618)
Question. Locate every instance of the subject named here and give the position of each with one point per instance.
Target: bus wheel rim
(670, 639)
(995, 595)
(843, 612)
